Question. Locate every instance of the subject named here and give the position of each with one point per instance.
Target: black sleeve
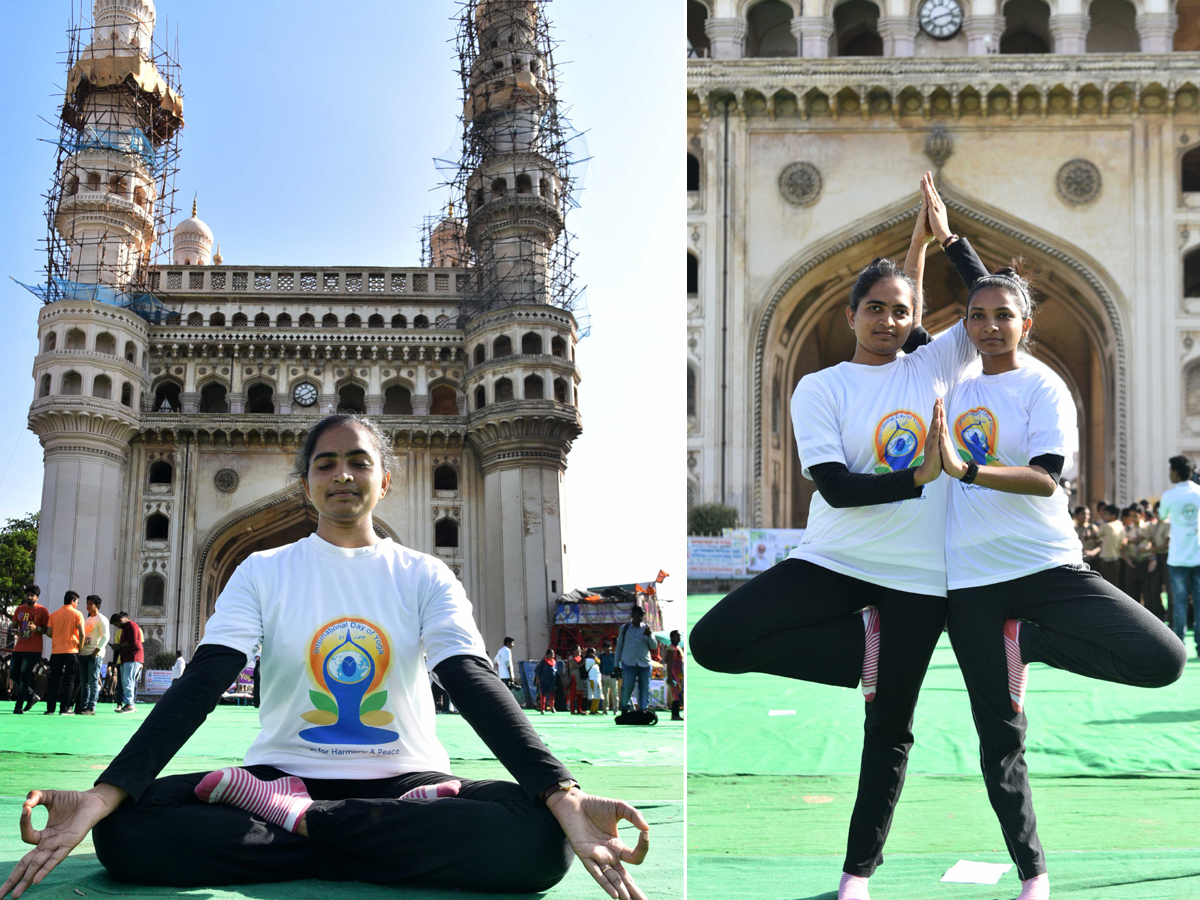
(1051, 462)
(489, 708)
(917, 338)
(966, 261)
(175, 718)
(842, 488)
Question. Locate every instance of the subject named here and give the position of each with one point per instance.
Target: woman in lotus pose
(1019, 591)
(862, 600)
(346, 778)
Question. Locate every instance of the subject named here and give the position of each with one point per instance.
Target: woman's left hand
(590, 824)
(952, 463)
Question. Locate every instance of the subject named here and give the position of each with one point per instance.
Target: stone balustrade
(328, 283)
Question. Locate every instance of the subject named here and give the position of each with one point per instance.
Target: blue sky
(310, 139)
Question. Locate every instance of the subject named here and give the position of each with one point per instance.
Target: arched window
(693, 275)
(127, 394)
(1026, 27)
(558, 347)
(72, 187)
(691, 391)
(52, 338)
(139, 196)
(44, 386)
(531, 343)
(769, 30)
(76, 340)
(161, 472)
(1189, 174)
(260, 399)
(166, 397)
(524, 184)
(397, 401)
(217, 320)
(93, 181)
(352, 398)
(699, 46)
(307, 321)
(499, 186)
(214, 398)
(535, 388)
(1192, 389)
(421, 322)
(240, 320)
(158, 527)
(445, 534)
(283, 320)
(856, 25)
(106, 344)
(130, 352)
(504, 390)
(560, 390)
(445, 478)
(154, 591)
(72, 384)
(480, 354)
(195, 319)
(102, 387)
(693, 173)
(443, 401)
(329, 320)
(262, 320)
(353, 321)
(502, 346)
(398, 321)
(376, 321)
(1113, 27)
(480, 396)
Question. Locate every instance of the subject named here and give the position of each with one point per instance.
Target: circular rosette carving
(1078, 181)
(800, 184)
(226, 481)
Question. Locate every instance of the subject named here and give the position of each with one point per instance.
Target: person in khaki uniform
(1138, 554)
(1112, 539)
(1160, 538)
(1088, 533)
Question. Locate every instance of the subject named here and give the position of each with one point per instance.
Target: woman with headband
(862, 599)
(1019, 591)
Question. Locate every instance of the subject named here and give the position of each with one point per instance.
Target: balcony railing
(341, 283)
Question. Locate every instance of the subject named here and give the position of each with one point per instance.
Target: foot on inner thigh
(1018, 672)
(853, 887)
(282, 801)
(1035, 888)
(433, 791)
(870, 672)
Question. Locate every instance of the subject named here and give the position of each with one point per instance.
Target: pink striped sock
(870, 672)
(433, 791)
(281, 802)
(1035, 888)
(1018, 672)
(853, 887)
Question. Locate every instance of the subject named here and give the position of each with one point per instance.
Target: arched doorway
(1078, 333)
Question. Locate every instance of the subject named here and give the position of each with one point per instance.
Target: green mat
(1115, 773)
(641, 765)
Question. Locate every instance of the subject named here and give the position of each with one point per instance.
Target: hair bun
(1007, 272)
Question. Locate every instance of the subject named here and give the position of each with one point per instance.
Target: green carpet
(1115, 773)
(641, 765)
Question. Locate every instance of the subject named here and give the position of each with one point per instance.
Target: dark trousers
(491, 837)
(1110, 570)
(1072, 619)
(64, 673)
(1139, 584)
(800, 620)
(23, 664)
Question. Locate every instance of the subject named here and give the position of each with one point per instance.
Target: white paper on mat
(967, 871)
(781, 712)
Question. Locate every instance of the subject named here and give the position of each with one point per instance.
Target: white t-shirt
(177, 668)
(348, 638)
(503, 661)
(874, 419)
(1180, 505)
(1007, 420)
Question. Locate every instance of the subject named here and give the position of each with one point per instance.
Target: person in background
(504, 663)
(673, 657)
(114, 624)
(634, 643)
(545, 677)
(30, 621)
(608, 678)
(1179, 507)
(67, 636)
(579, 687)
(129, 646)
(1112, 540)
(91, 656)
(257, 676)
(591, 669)
(179, 666)
(1138, 555)
(1160, 540)
(1087, 532)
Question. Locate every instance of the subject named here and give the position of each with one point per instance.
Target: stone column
(190, 401)
(374, 404)
(1157, 31)
(815, 33)
(1070, 32)
(420, 404)
(899, 35)
(797, 26)
(727, 37)
(983, 34)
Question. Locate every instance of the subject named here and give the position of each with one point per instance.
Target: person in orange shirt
(66, 637)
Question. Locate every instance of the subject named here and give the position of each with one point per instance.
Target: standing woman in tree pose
(863, 598)
(346, 779)
(1019, 589)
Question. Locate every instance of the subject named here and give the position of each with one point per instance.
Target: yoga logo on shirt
(899, 441)
(1187, 512)
(975, 431)
(349, 658)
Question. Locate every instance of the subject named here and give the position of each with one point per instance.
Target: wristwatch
(969, 475)
(563, 786)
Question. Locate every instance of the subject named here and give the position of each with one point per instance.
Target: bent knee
(112, 839)
(710, 649)
(544, 860)
(1166, 667)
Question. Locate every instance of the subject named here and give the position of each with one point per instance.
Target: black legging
(801, 621)
(491, 837)
(1076, 621)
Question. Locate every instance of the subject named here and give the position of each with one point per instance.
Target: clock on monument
(940, 19)
(305, 394)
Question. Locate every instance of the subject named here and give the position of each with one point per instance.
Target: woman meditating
(346, 780)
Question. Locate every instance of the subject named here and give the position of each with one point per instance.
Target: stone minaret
(521, 382)
(90, 371)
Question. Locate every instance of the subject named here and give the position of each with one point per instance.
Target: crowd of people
(78, 672)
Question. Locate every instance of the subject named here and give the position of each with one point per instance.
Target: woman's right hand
(931, 466)
(72, 815)
(939, 219)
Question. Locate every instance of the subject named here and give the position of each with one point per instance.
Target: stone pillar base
(1157, 31)
(983, 34)
(899, 35)
(815, 32)
(1070, 32)
(727, 37)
